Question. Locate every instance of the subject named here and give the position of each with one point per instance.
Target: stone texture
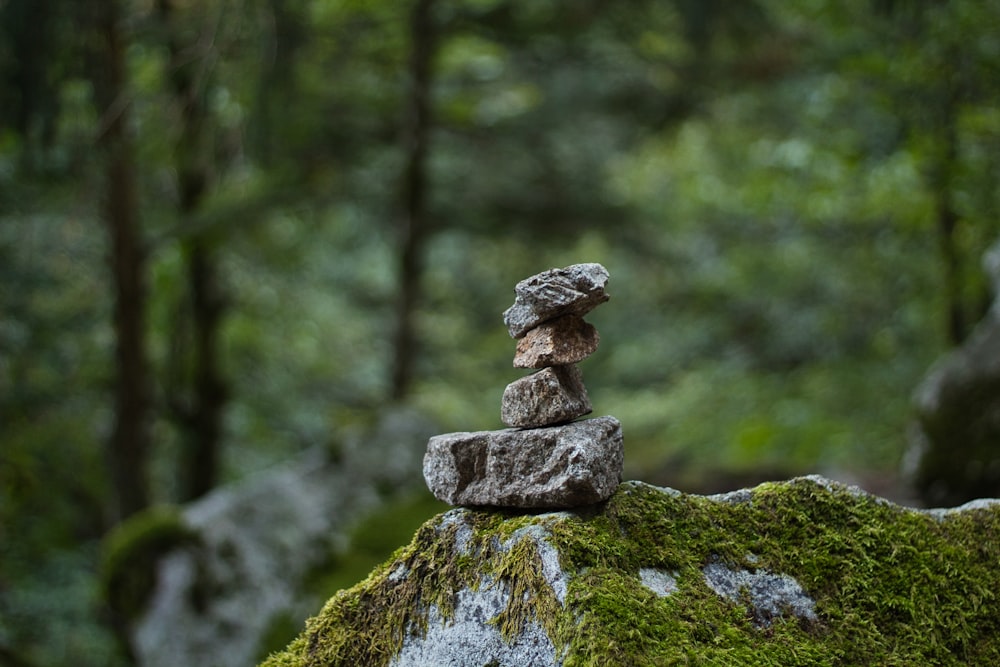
(550, 396)
(576, 289)
(662, 583)
(564, 340)
(768, 596)
(463, 639)
(562, 466)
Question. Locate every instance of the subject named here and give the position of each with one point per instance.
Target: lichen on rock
(805, 572)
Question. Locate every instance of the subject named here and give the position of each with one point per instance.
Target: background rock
(562, 466)
(954, 454)
(804, 572)
(259, 542)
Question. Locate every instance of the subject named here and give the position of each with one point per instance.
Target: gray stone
(564, 340)
(562, 466)
(464, 639)
(769, 596)
(550, 396)
(659, 581)
(576, 290)
(471, 636)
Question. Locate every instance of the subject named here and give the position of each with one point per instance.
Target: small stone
(576, 290)
(550, 396)
(559, 467)
(564, 340)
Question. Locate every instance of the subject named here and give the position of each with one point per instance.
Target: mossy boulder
(131, 553)
(954, 455)
(804, 572)
(264, 548)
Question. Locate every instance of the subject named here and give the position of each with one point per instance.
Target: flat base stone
(557, 467)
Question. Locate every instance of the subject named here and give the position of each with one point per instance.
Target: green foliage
(891, 586)
(761, 178)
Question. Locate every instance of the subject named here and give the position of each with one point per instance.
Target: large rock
(576, 290)
(260, 543)
(954, 453)
(562, 341)
(561, 466)
(550, 396)
(805, 572)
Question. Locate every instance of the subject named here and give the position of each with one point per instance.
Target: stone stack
(545, 460)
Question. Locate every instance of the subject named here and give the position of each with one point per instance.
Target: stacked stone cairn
(545, 459)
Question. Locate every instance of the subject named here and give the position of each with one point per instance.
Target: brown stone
(565, 340)
(550, 396)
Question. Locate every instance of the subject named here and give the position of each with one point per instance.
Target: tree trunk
(413, 221)
(200, 416)
(957, 323)
(202, 445)
(129, 444)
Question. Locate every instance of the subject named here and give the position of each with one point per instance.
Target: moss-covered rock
(267, 544)
(131, 552)
(805, 572)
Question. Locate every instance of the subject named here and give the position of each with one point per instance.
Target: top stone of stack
(574, 290)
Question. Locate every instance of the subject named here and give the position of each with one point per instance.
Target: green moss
(131, 551)
(891, 586)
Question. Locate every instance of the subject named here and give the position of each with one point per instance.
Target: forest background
(230, 229)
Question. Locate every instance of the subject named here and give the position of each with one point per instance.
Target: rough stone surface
(563, 466)
(465, 639)
(660, 582)
(564, 340)
(769, 596)
(550, 396)
(576, 290)
(803, 572)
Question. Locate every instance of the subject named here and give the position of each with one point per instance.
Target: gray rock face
(770, 596)
(561, 466)
(564, 340)
(468, 638)
(465, 640)
(576, 290)
(550, 396)
(660, 582)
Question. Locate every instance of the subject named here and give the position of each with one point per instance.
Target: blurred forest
(231, 228)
